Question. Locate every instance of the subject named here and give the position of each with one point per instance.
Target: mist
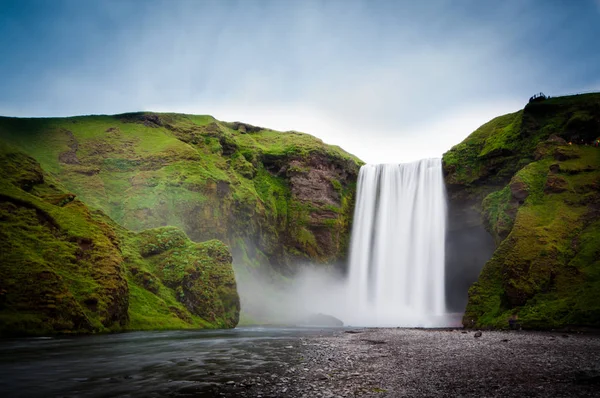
(399, 272)
(319, 289)
(270, 299)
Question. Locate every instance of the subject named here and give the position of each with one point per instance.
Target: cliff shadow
(468, 247)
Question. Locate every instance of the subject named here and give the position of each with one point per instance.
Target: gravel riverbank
(428, 363)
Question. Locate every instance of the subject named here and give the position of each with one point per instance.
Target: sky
(389, 81)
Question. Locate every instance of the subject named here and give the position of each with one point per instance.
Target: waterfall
(396, 275)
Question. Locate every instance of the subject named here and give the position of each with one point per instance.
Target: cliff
(534, 178)
(99, 210)
(139, 185)
(274, 197)
(67, 269)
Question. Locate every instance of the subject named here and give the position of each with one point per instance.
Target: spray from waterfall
(396, 273)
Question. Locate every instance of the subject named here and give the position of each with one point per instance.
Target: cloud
(387, 82)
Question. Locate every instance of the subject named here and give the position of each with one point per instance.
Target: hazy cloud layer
(388, 81)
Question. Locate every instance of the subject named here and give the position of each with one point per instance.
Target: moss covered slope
(274, 197)
(540, 199)
(67, 269)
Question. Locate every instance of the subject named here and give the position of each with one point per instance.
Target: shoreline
(580, 330)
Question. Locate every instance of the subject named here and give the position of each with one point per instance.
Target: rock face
(534, 181)
(67, 269)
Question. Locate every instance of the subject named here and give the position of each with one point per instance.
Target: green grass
(468, 161)
(493, 153)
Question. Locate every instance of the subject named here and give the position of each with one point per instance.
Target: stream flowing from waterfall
(396, 275)
(175, 363)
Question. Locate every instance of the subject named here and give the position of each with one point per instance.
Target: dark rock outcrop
(555, 184)
(519, 190)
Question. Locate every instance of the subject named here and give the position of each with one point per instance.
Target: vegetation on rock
(67, 269)
(275, 198)
(95, 235)
(272, 196)
(535, 177)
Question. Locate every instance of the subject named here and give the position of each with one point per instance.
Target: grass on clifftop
(493, 153)
(469, 160)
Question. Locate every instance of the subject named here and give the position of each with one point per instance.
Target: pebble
(429, 363)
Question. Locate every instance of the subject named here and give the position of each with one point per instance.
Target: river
(144, 364)
(304, 363)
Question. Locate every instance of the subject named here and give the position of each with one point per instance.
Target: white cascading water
(397, 246)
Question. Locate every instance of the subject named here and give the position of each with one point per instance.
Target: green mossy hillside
(492, 152)
(67, 269)
(275, 198)
(486, 160)
(539, 196)
(547, 269)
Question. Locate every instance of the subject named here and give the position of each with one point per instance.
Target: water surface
(144, 364)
